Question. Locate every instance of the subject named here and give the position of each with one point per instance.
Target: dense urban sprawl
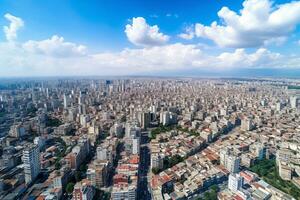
(149, 138)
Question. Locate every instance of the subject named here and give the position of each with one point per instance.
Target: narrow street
(143, 190)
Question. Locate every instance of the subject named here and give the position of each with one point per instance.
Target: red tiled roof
(135, 159)
(237, 197)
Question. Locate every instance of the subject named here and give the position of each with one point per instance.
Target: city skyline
(132, 38)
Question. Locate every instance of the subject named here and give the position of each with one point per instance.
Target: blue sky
(51, 37)
(100, 23)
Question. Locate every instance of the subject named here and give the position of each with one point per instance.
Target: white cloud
(183, 57)
(17, 61)
(188, 33)
(174, 56)
(11, 30)
(258, 23)
(55, 56)
(172, 15)
(142, 34)
(260, 58)
(55, 46)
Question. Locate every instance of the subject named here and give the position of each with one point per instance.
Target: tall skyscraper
(66, 102)
(165, 118)
(144, 119)
(31, 160)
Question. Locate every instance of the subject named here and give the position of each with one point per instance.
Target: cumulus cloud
(180, 56)
(142, 34)
(55, 56)
(260, 58)
(258, 23)
(55, 46)
(11, 30)
(174, 56)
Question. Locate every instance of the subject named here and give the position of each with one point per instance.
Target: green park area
(268, 171)
(159, 130)
(53, 122)
(163, 129)
(210, 194)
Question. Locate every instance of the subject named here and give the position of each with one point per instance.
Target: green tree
(83, 168)
(70, 187)
(77, 176)
(57, 165)
(155, 170)
(213, 195)
(268, 171)
(53, 122)
(206, 196)
(214, 188)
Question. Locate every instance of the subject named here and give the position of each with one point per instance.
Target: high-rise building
(294, 101)
(247, 124)
(165, 118)
(40, 141)
(259, 150)
(83, 191)
(66, 101)
(102, 153)
(235, 182)
(17, 130)
(31, 160)
(132, 130)
(135, 146)
(121, 192)
(152, 108)
(229, 160)
(97, 173)
(264, 102)
(144, 119)
(79, 153)
(279, 106)
(233, 163)
(157, 161)
(285, 171)
(117, 130)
